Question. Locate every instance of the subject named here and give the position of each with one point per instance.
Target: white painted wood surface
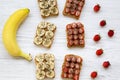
(20, 69)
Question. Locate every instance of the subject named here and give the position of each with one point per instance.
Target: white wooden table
(20, 69)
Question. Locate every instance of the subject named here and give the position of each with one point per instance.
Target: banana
(39, 58)
(40, 75)
(51, 27)
(45, 12)
(52, 2)
(43, 4)
(49, 57)
(40, 66)
(50, 65)
(38, 40)
(42, 25)
(9, 33)
(47, 43)
(53, 10)
(49, 34)
(50, 74)
(40, 32)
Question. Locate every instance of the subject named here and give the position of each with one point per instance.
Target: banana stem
(26, 56)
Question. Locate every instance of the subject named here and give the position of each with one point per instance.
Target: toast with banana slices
(45, 64)
(44, 34)
(48, 8)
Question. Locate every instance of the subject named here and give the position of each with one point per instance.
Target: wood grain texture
(19, 69)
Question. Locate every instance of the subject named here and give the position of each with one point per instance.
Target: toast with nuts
(73, 8)
(71, 67)
(45, 64)
(75, 35)
(44, 34)
(48, 8)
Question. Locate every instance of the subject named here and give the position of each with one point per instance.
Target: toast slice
(45, 64)
(75, 35)
(44, 34)
(73, 8)
(48, 8)
(71, 67)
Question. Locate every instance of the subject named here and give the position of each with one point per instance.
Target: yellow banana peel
(9, 33)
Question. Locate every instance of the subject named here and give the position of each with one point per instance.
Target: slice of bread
(71, 67)
(48, 8)
(73, 8)
(75, 35)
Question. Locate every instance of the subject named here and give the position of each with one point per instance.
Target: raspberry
(96, 8)
(65, 69)
(97, 37)
(110, 33)
(99, 52)
(106, 64)
(102, 23)
(93, 74)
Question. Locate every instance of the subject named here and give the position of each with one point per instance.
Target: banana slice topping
(51, 27)
(37, 40)
(40, 75)
(52, 2)
(43, 4)
(50, 74)
(40, 32)
(53, 10)
(49, 57)
(50, 65)
(46, 42)
(49, 34)
(39, 58)
(45, 12)
(40, 66)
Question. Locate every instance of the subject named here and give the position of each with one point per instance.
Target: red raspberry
(99, 52)
(65, 69)
(106, 64)
(102, 23)
(97, 37)
(76, 77)
(96, 8)
(93, 74)
(110, 33)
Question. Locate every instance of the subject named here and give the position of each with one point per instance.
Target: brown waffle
(73, 8)
(71, 67)
(75, 34)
